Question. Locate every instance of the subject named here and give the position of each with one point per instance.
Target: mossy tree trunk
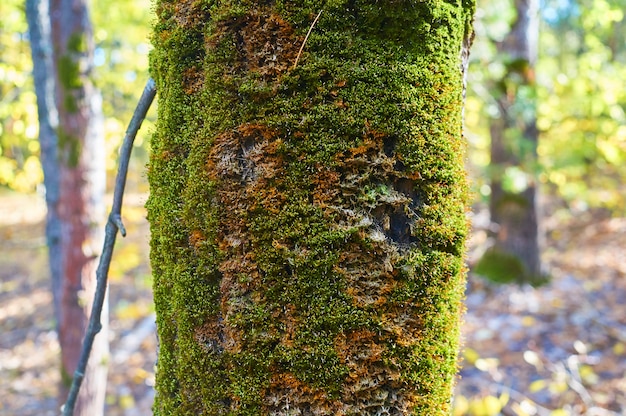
(77, 173)
(515, 255)
(308, 211)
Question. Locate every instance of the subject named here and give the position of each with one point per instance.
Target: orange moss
(165, 155)
(246, 166)
(193, 80)
(371, 381)
(362, 345)
(196, 238)
(266, 44)
(325, 185)
(164, 35)
(286, 391)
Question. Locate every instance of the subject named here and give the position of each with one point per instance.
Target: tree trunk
(75, 185)
(41, 49)
(515, 255)
(307, 206)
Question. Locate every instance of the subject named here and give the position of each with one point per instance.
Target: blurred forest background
(558, 349)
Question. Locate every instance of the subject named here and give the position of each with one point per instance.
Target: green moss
(66, 378)
(69, 147)
(77, 43)
(69, 70)
(69, 74)
(500, 266)
(308, 222)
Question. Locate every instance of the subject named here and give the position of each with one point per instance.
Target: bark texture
(308, 221)
(43, 69)
(79, 205)
(515, 255)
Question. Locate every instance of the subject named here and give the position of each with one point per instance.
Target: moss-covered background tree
(515, 254)
(308, 209)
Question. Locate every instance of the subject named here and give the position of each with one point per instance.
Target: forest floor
(556, 350)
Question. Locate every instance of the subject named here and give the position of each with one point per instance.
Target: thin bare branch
(112, 226)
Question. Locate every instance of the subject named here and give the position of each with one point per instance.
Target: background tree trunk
(41, 48)
(308, 211)
(515, 255)
(73, 161)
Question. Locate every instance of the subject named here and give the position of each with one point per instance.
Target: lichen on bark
(308, 221)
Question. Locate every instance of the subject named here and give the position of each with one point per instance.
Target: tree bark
(308, 209)
(515, 255)
(41, 49)
(78, 204)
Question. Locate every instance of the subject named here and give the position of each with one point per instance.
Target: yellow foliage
(461, 405)
(485, 406)
(537, 385)
(127, 401)
(470, 355)
(588, 375)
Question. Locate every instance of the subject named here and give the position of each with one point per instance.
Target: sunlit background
(580, 95)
